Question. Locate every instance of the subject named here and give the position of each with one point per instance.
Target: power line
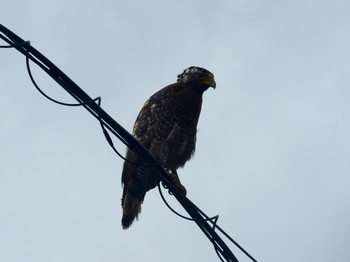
(206, 224)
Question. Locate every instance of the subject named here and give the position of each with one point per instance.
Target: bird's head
(197, 76)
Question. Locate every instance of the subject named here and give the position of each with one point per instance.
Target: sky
(273, 142)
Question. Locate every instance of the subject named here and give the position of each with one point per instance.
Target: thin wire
(98, 100)
(6, 46)
(11, 44)
(110, 142)
(167, 204)
(212, 220)
(215, 218)
(50, 98)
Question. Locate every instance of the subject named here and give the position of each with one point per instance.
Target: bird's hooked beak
(209, 81)
(212, 83)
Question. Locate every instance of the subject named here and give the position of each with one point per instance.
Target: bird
(166, 126)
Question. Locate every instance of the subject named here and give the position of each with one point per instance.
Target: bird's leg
(174, 178)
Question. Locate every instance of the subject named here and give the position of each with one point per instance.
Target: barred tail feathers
(131, 210)
(136, 180)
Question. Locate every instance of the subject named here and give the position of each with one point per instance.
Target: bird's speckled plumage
(166, 126)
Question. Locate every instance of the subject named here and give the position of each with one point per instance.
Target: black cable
(167, 204)
(212, 220)
(95, 110)
(6, 46)
(78, 94)
(199, 217)
(50, 98)
(12, 45)
(98, 100)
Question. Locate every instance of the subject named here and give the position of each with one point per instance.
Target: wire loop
(50, 98)
(98, 100)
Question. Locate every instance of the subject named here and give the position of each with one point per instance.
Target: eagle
(167, 127)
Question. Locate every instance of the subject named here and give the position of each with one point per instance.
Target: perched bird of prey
(167, 127)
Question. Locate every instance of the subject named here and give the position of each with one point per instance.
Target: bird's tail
(136, 182)
(131, 209)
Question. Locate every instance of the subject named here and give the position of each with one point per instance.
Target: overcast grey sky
(273, 143)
